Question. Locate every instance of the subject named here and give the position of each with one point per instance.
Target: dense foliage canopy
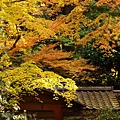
(46, 42)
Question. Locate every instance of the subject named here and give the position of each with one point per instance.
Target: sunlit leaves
(41, 31)
(29, 77)
(18, 20)
(4, 62)
(111, 3)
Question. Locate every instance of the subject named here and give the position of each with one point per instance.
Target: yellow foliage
(114, 73)
(22, 22)
(70, 27)
(27, 22)
(111, 3)
(5, 62)
(29, 77)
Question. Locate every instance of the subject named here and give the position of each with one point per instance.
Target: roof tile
(97, 98)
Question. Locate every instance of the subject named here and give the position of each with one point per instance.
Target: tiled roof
(97, 97)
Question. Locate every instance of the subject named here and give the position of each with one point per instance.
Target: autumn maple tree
(100, 42)
(61, 41)
(35, 29)
(21, 32)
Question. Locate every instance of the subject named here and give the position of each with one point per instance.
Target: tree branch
(14, 45)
